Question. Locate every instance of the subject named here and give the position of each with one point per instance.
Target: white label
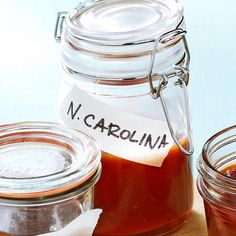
(83, 225)
(118, 132)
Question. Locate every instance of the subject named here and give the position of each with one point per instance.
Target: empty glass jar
(47, 177)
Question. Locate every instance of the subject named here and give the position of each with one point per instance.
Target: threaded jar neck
(218, 153)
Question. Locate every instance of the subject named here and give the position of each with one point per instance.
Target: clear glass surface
(47, 177)
(42, 158)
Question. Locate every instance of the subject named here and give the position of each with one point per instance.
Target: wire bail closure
(61, 16)
(181, 72)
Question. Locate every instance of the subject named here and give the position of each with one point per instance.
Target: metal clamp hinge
(61, 16)
(183, 79)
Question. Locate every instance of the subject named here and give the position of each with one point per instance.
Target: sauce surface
(138, 199)
(230, 171)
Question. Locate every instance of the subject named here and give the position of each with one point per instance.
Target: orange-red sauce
(230, 171)
(138, 199)
(222, 221)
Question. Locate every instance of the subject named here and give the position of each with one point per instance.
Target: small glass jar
(217, 189)
(47, 177)
(125, 84)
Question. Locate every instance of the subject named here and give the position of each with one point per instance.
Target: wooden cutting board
(196, 225)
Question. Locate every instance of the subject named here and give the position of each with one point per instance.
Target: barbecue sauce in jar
(217, 182)
(126, 70)
(222, 221)
(145, 197)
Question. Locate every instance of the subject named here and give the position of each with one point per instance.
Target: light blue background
(31, 72)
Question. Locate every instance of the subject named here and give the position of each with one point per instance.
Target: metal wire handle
(191, 148)
(59, 25)
(182, 73)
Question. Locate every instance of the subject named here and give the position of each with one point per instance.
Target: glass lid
(117, 22)
(43, 159)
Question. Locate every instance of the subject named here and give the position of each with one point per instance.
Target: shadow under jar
(217, 182)
(47, 177)
(113, 54)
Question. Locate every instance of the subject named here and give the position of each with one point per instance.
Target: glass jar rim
(40, 159)
(122, 51)
(208, 150)
(105, 23)
(209, 174)
(71, 194)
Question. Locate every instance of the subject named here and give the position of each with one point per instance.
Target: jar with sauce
(125, 84)
(217, 182)
(47, 177)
